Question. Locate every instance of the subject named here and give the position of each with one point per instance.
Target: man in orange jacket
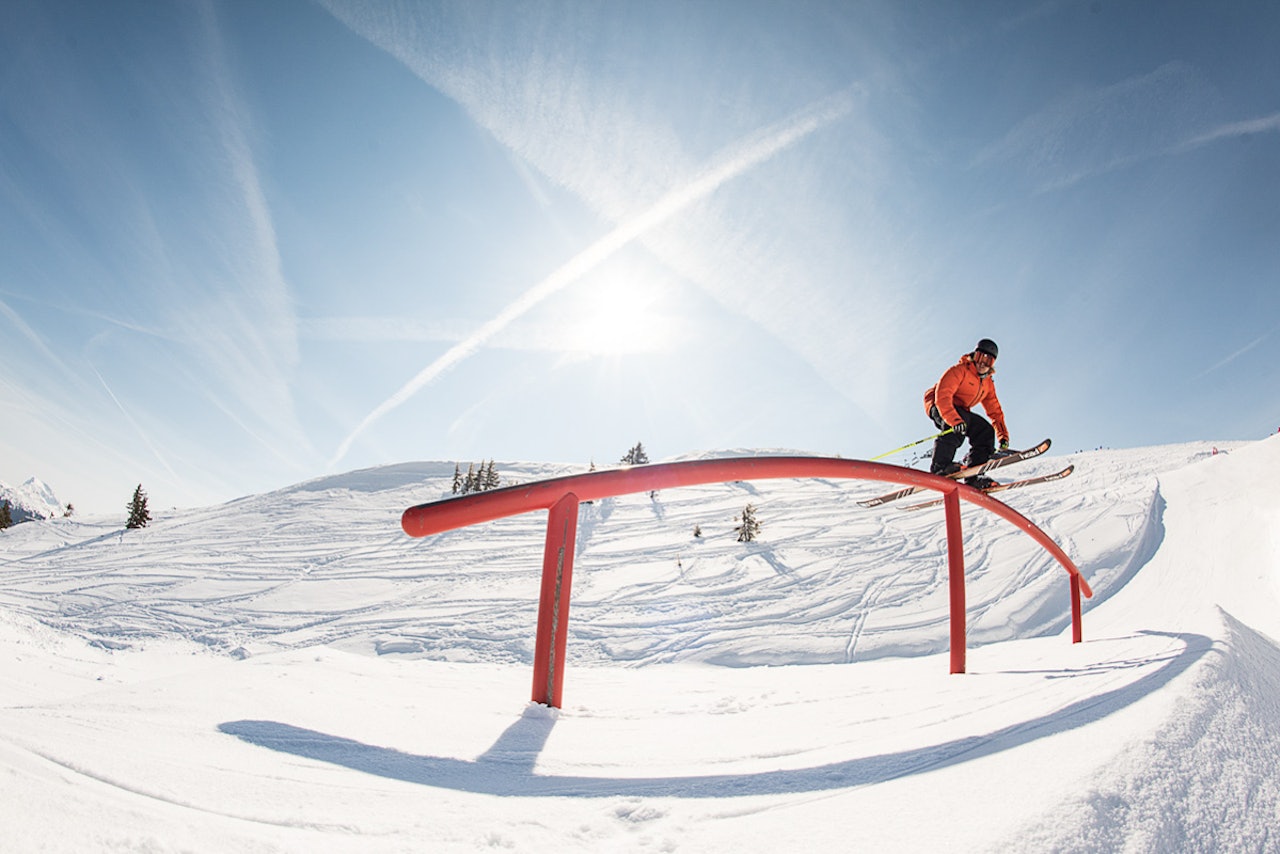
(950, 403)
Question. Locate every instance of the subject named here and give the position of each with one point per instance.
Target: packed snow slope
(291, 672)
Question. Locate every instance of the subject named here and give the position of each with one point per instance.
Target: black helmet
(986, 345)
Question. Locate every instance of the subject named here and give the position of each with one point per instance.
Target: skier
(950, 402)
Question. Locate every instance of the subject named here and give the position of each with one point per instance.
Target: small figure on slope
(950, 403)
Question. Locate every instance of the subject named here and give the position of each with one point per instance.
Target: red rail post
(1077, 632)
(955, 577)
(553, 604)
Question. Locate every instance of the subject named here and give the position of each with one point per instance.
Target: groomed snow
(291, 672)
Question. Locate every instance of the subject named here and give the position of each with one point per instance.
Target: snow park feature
(561, 498)
(291, 672)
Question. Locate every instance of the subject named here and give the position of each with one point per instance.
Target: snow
(33, 500)
(291, 672)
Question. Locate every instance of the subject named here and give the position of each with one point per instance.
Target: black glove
(1004, 444)
(937, 419)
(959, 429)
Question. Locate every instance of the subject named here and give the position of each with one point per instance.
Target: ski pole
(910, 445)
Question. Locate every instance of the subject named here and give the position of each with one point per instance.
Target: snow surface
(291, 672)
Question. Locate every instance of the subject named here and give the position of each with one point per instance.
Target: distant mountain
(33, 500)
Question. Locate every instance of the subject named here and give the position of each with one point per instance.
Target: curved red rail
(562, 495)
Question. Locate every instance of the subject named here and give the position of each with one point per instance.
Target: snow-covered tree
(750, 527)
(139, 516)
(6, 515)
(477, 479)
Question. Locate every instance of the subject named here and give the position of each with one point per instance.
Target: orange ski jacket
(963, 386)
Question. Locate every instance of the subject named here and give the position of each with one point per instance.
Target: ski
(994, 462)
(1001, 487)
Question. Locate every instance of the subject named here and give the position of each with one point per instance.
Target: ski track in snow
(247, 640)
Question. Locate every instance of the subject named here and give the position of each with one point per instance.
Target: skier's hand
(1004, 445)
(959, 429)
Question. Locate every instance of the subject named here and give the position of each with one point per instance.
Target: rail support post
(553, 604)
(1077, 632)
(955, 577)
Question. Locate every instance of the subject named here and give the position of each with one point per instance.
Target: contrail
(1235, 129)
(137, 428)
(1237, 354)
(747, 154)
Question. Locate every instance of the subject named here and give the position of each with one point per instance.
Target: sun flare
(617, 318)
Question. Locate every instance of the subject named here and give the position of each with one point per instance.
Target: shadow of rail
(507, 768)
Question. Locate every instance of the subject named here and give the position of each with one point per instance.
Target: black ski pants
(981, 435)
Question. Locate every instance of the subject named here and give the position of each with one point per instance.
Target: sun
(616, 317)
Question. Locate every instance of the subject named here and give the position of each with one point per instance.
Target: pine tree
(636, 456)
(750, 528)
(139, 516)
(476, 479)
(6, 515)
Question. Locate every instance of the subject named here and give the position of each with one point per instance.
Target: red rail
(562, 495)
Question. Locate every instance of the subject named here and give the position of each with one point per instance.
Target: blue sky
(245, 244)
